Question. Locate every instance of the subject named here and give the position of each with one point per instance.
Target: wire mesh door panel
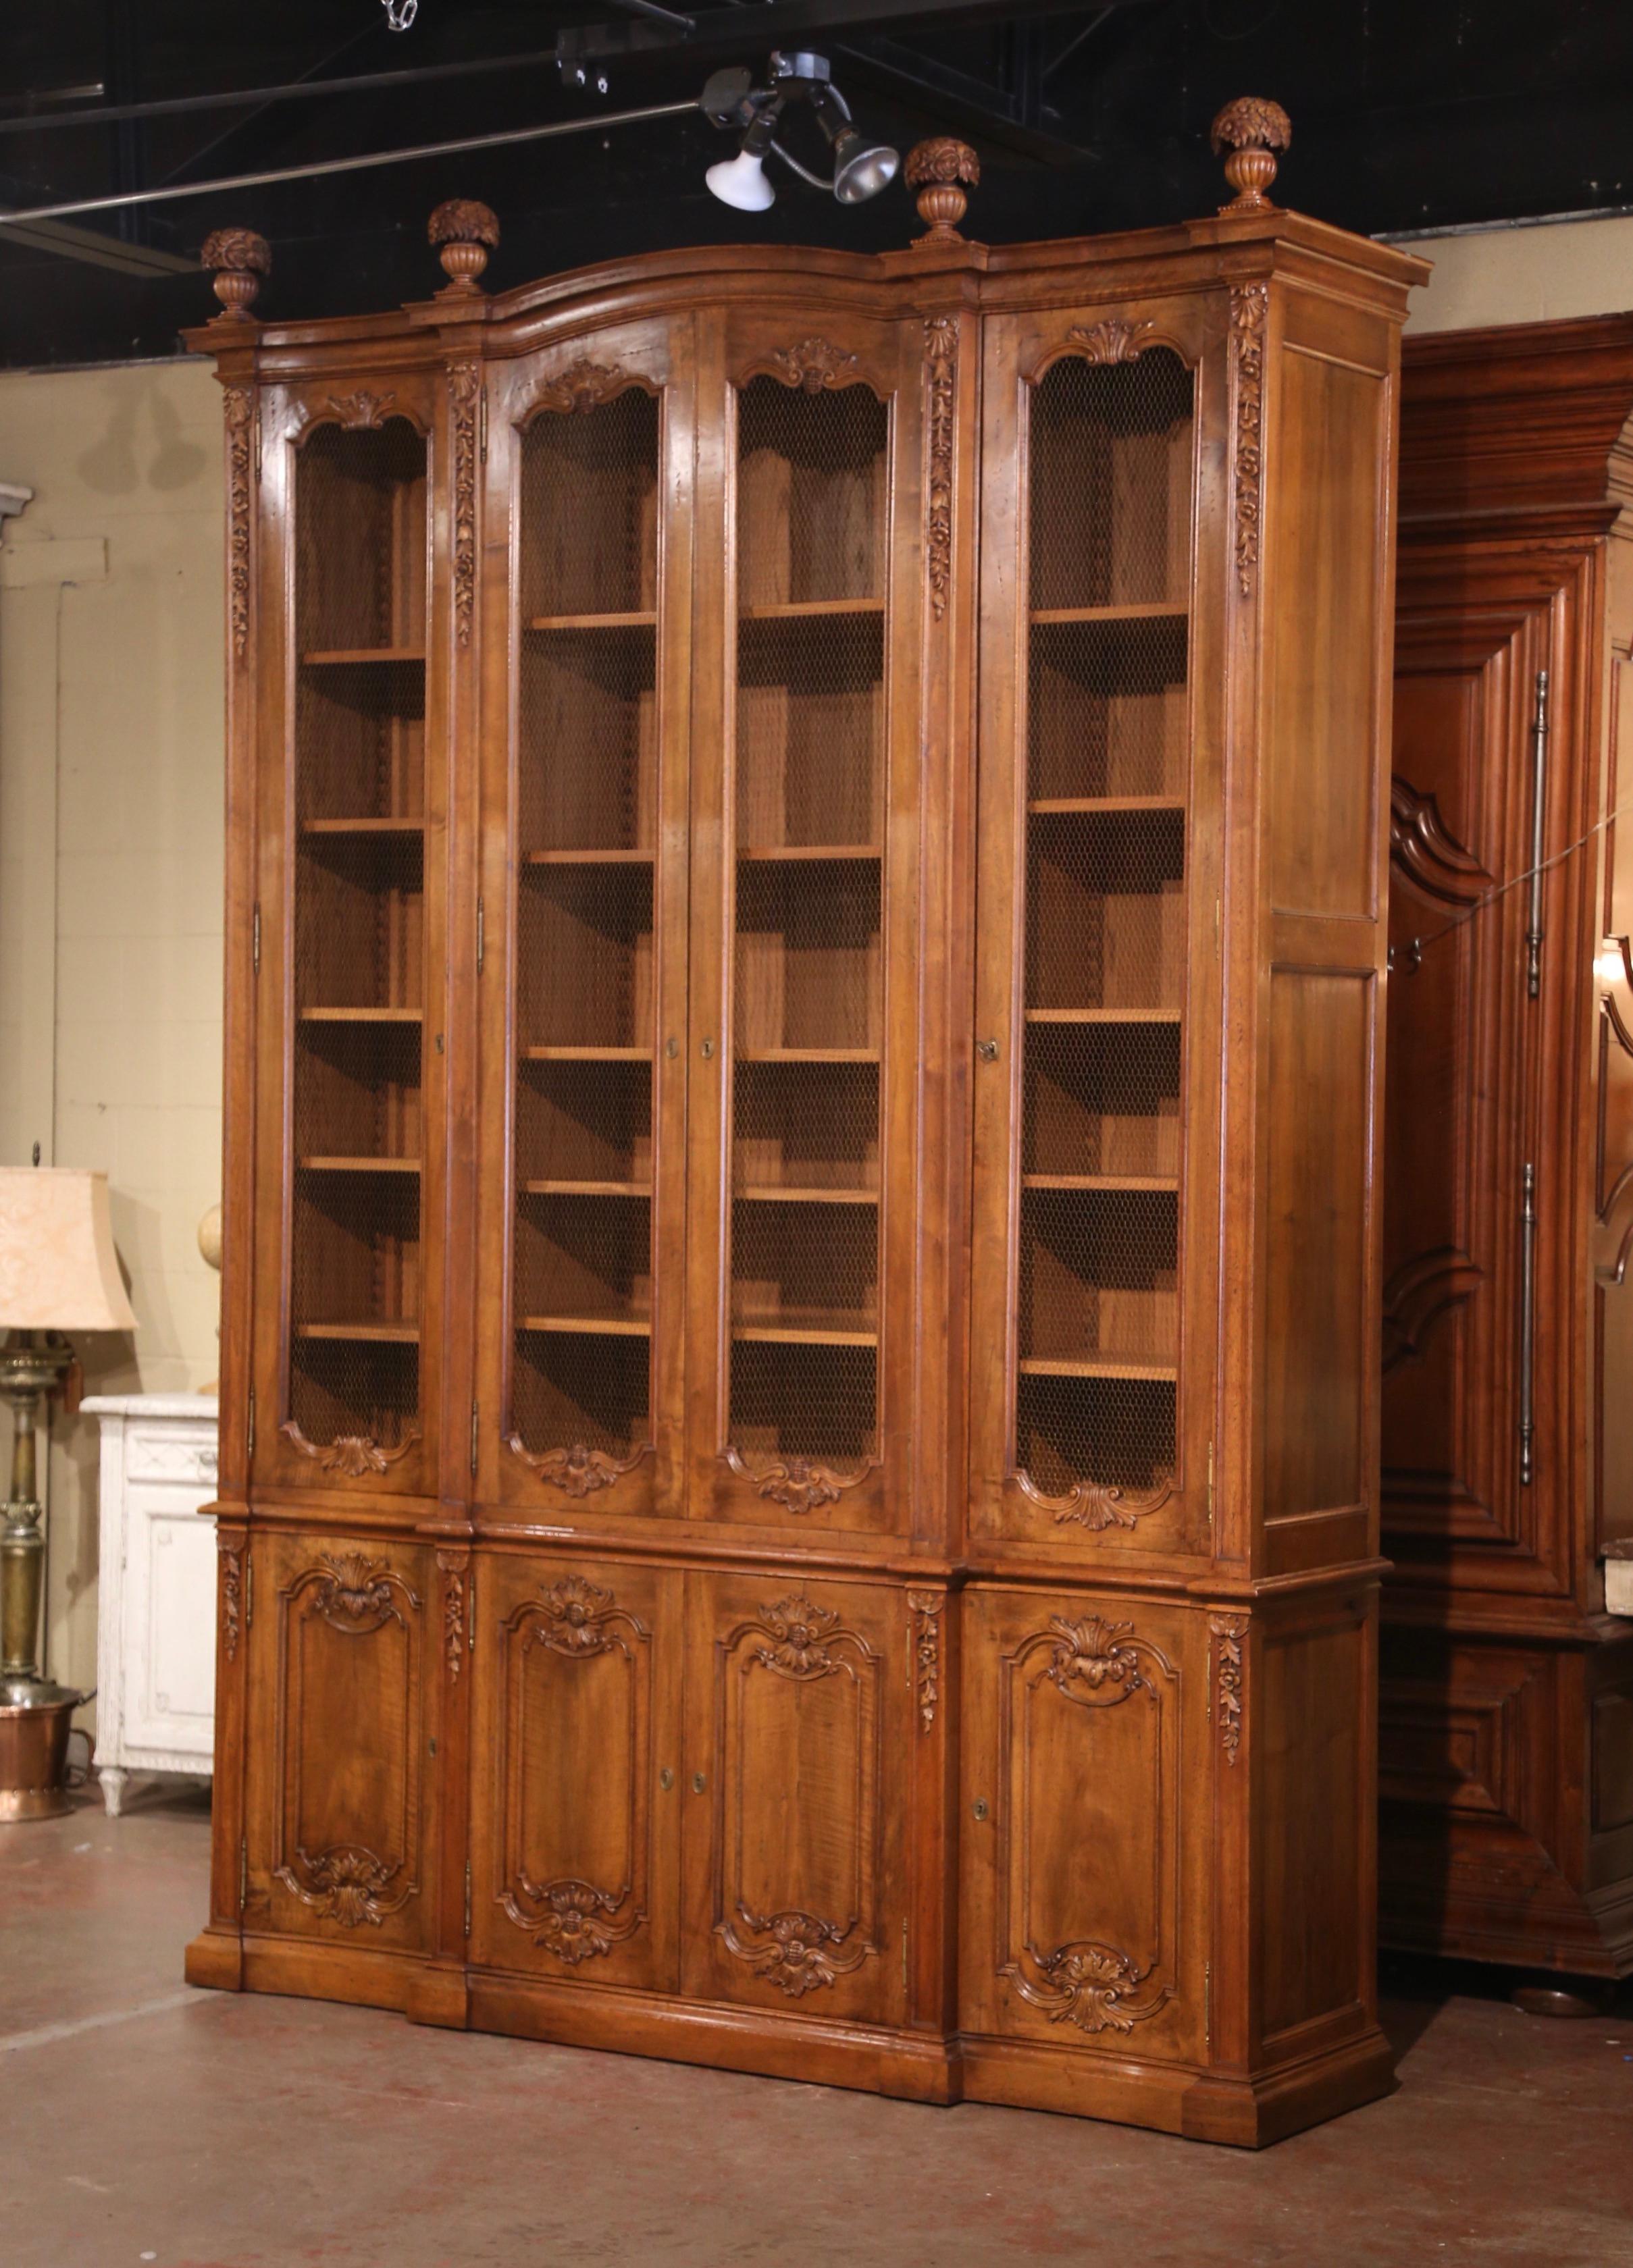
(354, 1391)
(596, 740)
(795, 1407)
(1086, 885)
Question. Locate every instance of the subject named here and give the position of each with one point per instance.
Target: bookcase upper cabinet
(800, 1391)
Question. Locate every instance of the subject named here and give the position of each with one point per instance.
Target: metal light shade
(57, 1268)
(741, 181)
(862, 169)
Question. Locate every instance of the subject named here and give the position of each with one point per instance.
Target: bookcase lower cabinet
(799, 1473)
(340, 1676)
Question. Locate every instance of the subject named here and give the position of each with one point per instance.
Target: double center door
(741, 1835)
(700, 890)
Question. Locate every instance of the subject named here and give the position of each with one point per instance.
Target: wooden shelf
(361, 1015)
(585, 1188)
(806, 1329)
(1161, 611)
(769, 853)
(818, 1193)
(585, 1055)
(1102, 1015)
(1060, 806)
(587, 857)
(621, 1327)
(801, 610)
(642, 618)
(404, 827)
(358, 1165)
(1096, 1366)
(1162, 1183)
(364, 1333)
(808, 1054)
(346, 657)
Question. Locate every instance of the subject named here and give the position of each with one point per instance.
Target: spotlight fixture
(732, 102)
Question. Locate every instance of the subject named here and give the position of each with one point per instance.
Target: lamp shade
(57, 1268)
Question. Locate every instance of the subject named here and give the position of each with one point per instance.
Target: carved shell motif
(362, 411)
(799, 1631)
(1089, 1984)
(583, 385)
(802, 1953)
(572, 1618)
(574, 1927)
(813, 364)
(353, 1590)
(1112, 341)
(346, 1884)
(577, 1472)
(1095, 1653)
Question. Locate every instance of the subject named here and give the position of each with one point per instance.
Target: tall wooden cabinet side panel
(1506, 1781)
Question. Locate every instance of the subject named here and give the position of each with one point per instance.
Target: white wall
(111, 783)
(1536, 274)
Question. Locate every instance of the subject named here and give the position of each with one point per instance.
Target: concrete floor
(140, 2122)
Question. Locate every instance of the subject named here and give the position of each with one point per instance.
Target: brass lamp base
(34, 1757)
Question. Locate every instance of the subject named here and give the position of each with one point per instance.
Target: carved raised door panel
(338, 1772)
(1094, 1208)
(800, 1720)
(576, 1800)
(804, 1063)
(1087, 1749)
(1459, 1128)
(346, 952)
(586, 622)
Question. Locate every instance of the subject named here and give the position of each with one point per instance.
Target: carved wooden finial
(1250, 129)
(940, 171)
(464, 232)
(240, 259)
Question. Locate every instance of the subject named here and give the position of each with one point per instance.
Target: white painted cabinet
(156, 1635)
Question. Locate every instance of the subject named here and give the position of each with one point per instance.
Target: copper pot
(34, 1759)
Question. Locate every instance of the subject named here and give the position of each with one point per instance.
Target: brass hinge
(257, 442)
(1210, 1484)
(249, 1586)
(481, 938)
(1216, 928)
(251, 1443)
(473, 1436)
(470, 1612)
(903, 1956)
(1208, 2004)
(255, 938)
(482, 424)
(243, 1873)
(467, 1898)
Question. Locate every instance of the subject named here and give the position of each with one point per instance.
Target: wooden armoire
(800, 1405)
(1506, 1736)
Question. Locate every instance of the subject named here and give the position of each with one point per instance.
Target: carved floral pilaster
(1250, 304)
(926, 1607)
(231, 1596)
(239, 404)
(1228, 1631)
(464, 399)
(940, 347)
(453, 1565)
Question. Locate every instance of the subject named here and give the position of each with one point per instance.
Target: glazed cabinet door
(349, 1006)
(805, 794)
(583, 922)
(576, 1807)
(339, 1697)
(799, 1719)
(1085, 1822)
(1097, 1022)
(1460, 1129)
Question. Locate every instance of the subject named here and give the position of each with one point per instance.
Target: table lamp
(58, 1273)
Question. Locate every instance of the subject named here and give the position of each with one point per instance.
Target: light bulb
(741, 181)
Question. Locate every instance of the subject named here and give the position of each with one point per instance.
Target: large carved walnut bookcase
(1506, 1737)
(800, 1468)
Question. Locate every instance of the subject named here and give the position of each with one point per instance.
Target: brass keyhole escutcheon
(708, 1050)
(987, 1050)
(665, 1779)
(699, 1781)
(980, 1806)
(671, 1048)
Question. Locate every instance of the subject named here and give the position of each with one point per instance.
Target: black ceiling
(1406, 114)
